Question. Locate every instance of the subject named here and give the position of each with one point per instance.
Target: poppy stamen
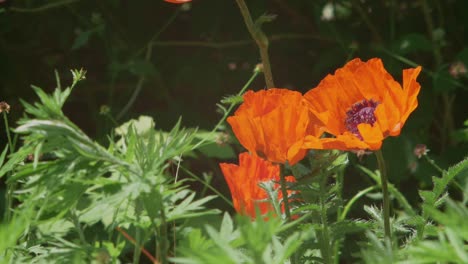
(361, 112)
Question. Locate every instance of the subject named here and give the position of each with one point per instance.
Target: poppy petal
(361, 104)
(243, 182)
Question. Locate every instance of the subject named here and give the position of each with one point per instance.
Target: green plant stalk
(247, 85)
(373, 30)
(7, 128)
(260, 39)
(44, 7)
(447, 100)
(12, 186)
(287, 209)
(354, 199)
(76, 222)
(207, 185)
(386, 200)
(231, 106)
(327, 251)
(138, 242)
(432, 162)
(141, 80)
(284, 192)
(163, 243)
(439, 169)
(339, 211)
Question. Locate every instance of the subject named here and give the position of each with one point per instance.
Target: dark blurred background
(180, 60)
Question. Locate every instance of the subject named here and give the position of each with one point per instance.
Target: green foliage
(257, 241)
(436, 196)
(436, 236)
(73, 184)
(124, 189)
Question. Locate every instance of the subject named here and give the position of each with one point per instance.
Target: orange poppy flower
(178, 1)
(361, 104)
(273, 123)
(243, 180)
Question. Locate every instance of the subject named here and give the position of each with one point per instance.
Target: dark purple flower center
(360, 113)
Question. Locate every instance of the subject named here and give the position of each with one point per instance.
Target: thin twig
(235, 43)
(375, 33)
(141, 80)
(132, 240)
(44, 7)
(386, 199)
(260, 39)
(447, 115)
(228, 111)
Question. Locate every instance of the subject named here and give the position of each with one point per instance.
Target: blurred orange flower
(243, 180)
(361, 104)
(178, 1)
(273, 123)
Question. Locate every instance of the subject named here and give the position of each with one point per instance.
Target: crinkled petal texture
(273, 123)
(355, 83)
(243, 180)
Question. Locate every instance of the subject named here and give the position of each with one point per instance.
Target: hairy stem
(163, 242)
(228, 111)
(260, 39)
(386, 201)
(76, 222)
(284, 192)
(11, 186)
(356, 197)
(138, 242)
(325, 236)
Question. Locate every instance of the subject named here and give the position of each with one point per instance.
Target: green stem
(260, 39)
(76, 222)
(284, 192)
(372, 28)
(447, 100)
(354, 199)
(138, 244)
(12, 186)
(7, 128)
(439, 169)
(207, 185)
(228, 111)
(386, 201)
(44, 7)
(327, 251)
(148, 54)
(163, 242)
(339, 211)
(432, 162)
